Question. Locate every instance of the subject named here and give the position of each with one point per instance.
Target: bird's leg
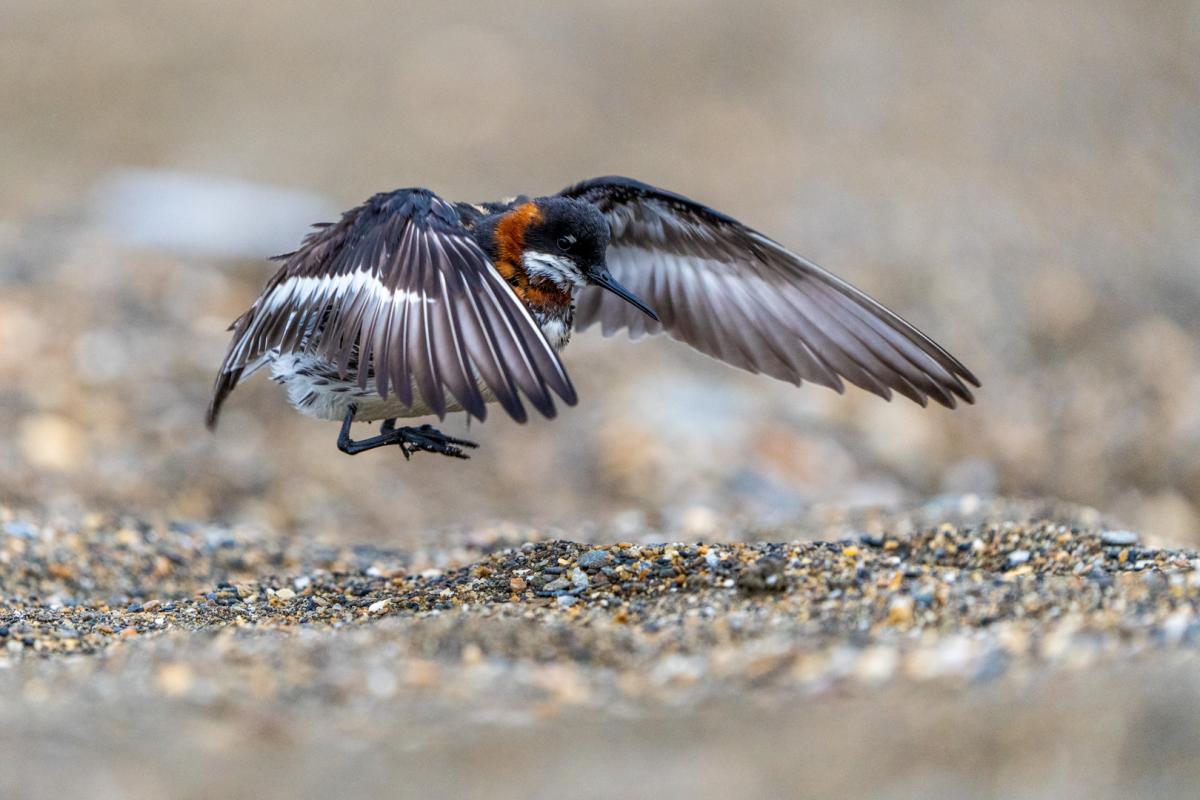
(352, 447)
(410, 440)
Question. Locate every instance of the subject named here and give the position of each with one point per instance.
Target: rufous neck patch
(510, 249)
(510, 232)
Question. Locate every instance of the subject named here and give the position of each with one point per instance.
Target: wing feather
(481, 350)
(400, 291)
(743, 298)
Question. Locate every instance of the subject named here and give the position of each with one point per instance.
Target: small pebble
(379, 607)
(1018, 557)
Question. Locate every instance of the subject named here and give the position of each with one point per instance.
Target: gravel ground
(196, 646)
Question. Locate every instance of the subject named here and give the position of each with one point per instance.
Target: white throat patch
(558, 269)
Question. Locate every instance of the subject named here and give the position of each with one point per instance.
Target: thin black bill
(605, 280)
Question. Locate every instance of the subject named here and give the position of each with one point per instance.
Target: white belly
(314, 388)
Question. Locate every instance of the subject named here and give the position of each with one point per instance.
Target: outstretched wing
(735, 294)
(399, 291)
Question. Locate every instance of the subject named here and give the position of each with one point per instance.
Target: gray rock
(1118, 538)
(594, 558)
(22, 530)
(206, 215)
(579, 578)
(557, 585)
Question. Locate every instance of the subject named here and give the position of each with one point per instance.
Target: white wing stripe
(302, 290)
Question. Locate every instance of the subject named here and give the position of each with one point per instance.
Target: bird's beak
(604, 279)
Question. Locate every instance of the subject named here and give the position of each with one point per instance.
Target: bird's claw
(430, 440)
(410, 440)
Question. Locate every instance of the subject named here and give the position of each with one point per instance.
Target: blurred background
(1021, 180)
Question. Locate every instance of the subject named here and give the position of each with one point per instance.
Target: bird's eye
(565, 243)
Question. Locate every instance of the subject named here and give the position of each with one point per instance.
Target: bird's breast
(551, 306)
(555, 323)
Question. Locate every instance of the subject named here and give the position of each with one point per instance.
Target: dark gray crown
(574, 223)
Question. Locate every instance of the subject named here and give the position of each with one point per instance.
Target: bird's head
(564, 242)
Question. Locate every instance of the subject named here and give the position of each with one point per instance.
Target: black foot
(410, 440)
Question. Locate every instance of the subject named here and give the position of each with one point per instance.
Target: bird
(411, 305)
